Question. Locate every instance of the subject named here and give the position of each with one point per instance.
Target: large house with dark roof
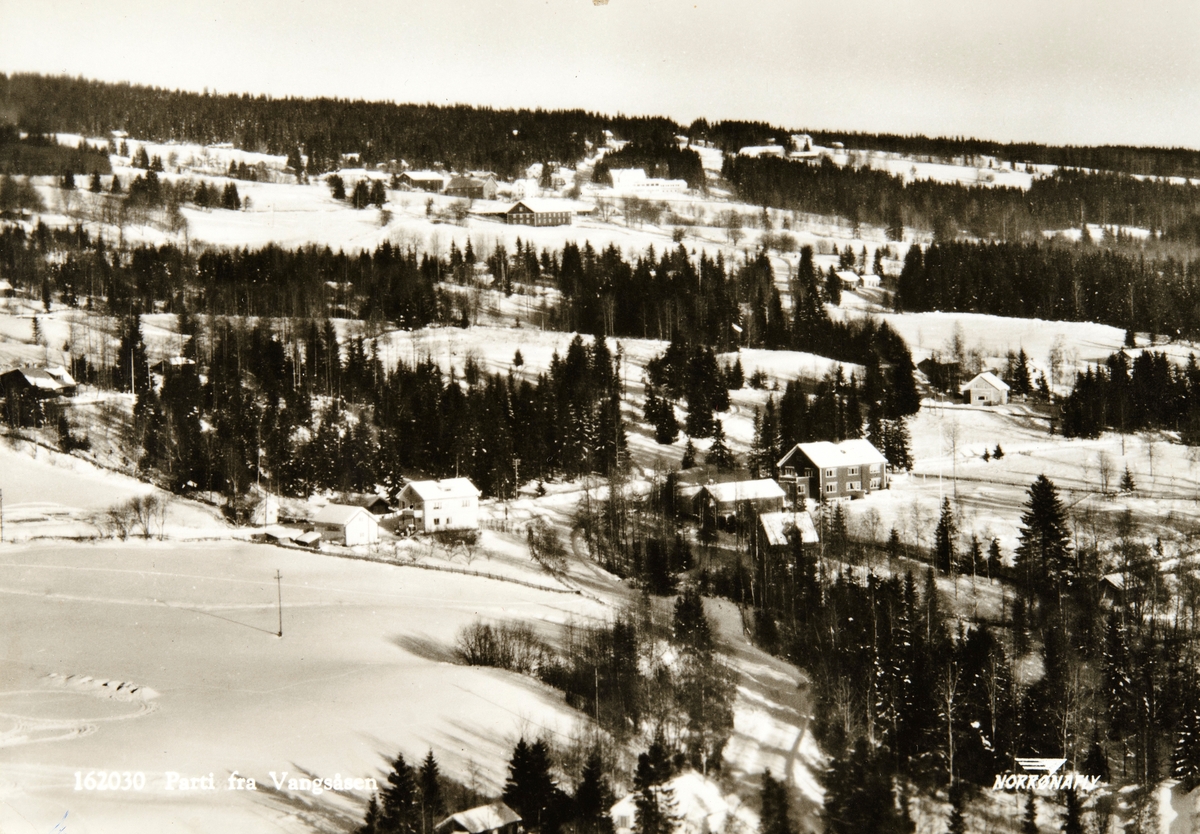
(42, 383)
(824, 470)
(534, 212)
(473, 188)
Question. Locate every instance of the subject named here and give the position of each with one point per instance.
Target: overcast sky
(1059, 71)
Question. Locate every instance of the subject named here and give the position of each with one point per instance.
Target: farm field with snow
(162, 657)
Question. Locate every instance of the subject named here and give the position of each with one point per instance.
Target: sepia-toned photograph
(599, 417)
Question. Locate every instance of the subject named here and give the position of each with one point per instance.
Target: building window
(437, 505)
(801, 489)
(875, 469)
(854, 486)
(831, 487)
(853, 470)
(810, 473)
(789, 471)
(874, 483)
(436, 522)
(830, 473)
(466, 502)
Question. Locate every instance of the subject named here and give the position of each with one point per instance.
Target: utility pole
(279, 601)
(1, 516)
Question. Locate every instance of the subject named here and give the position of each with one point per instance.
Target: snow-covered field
(162, 658)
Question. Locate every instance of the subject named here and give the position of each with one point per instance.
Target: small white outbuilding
(986, 389)
(350, 525)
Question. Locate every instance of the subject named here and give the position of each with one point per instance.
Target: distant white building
(449, 504)
(986, 389)
(350, 525)
(849, 279)
(800, 145)
(432, 181)
(634, 182)
(870, 281)
(763, 150)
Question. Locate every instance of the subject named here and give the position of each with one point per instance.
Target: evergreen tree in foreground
(530, 789)
(1029, 824)
(433, 806)
(399, 812)
(944, 538)
(774, 818)
(859, 795)
(719, 453)
(1043, 552)
(593, 798)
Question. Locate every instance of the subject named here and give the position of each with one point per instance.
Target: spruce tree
(1029, 824)
(689, 455)
(947, 529)
(1127, 484)
(859, 796)
(957, 823)
(719, 454)
(690, 628)
(371, 821)
(530, 789)
(1043, 551)
(433, 806)
(1073, 822)
(95, 187)
(593, 798)
(653, 803)
(775, 818)
(1185, 757)
(399, 813)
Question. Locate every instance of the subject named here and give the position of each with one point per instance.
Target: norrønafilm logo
(1042, 775)
(1050, 766)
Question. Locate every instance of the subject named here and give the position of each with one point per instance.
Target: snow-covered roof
(340, 514)
(539, 206)
(989, 378)
(309, 537)
(824, 454)
(847, 276)
(5, 286)
(756, 490)
(446, 488)
(478, 820)
(624, 177)
(286, 534)
(870, 279)
(51, 378)
(425, 176)
(761, 150)
(776, 527)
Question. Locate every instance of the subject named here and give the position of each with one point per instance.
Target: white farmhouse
(449, 504)
(351, 525)
(986, 389)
